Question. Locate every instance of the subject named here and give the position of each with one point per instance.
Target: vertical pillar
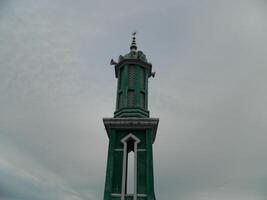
(150, 178)
(110, 167)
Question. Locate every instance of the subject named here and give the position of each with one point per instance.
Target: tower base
(126, 135)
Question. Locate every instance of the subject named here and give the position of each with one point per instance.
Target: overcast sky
(210, 93)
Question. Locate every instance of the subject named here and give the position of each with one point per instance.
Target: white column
(124, 171)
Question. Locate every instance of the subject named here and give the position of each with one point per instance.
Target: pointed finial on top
(133, 45)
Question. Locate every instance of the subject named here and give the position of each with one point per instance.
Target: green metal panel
(117, 171)
(142, 173)
(146, 88)
(125, 86)
(149, 160)
(137, 86)
(109, 170)
(115, 198)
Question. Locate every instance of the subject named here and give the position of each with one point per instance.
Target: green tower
(131, 131)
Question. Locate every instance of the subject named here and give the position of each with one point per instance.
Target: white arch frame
(124, 141)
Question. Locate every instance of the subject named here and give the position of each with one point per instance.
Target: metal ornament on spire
(133, 45)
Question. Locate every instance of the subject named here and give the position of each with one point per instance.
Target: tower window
(130, 98)
(131, 76)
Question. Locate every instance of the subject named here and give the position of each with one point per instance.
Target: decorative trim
(141, 150)
(132, 61)
(124, 171)
(135, 169)
(131, 111)
(115, 194)
(141, 195)
(118, 149)
(131, 123)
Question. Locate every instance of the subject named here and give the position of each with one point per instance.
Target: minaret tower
(131, 132)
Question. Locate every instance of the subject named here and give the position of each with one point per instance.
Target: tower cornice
(131, 123)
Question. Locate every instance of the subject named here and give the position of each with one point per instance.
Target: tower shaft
(131, 130)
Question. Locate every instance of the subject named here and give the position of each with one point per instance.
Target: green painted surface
(117, 171)
(141, 173)
(149, 168)
(132, 86)
(145, 184)
(132, 71)
(109, 170)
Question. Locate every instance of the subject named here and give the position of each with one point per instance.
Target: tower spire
(133, 46)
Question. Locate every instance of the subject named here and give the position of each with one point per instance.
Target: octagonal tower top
(132, 71)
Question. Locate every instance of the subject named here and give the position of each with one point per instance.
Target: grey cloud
(28, 180)
(209, 92)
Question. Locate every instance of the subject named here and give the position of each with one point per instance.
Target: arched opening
(129, 174)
